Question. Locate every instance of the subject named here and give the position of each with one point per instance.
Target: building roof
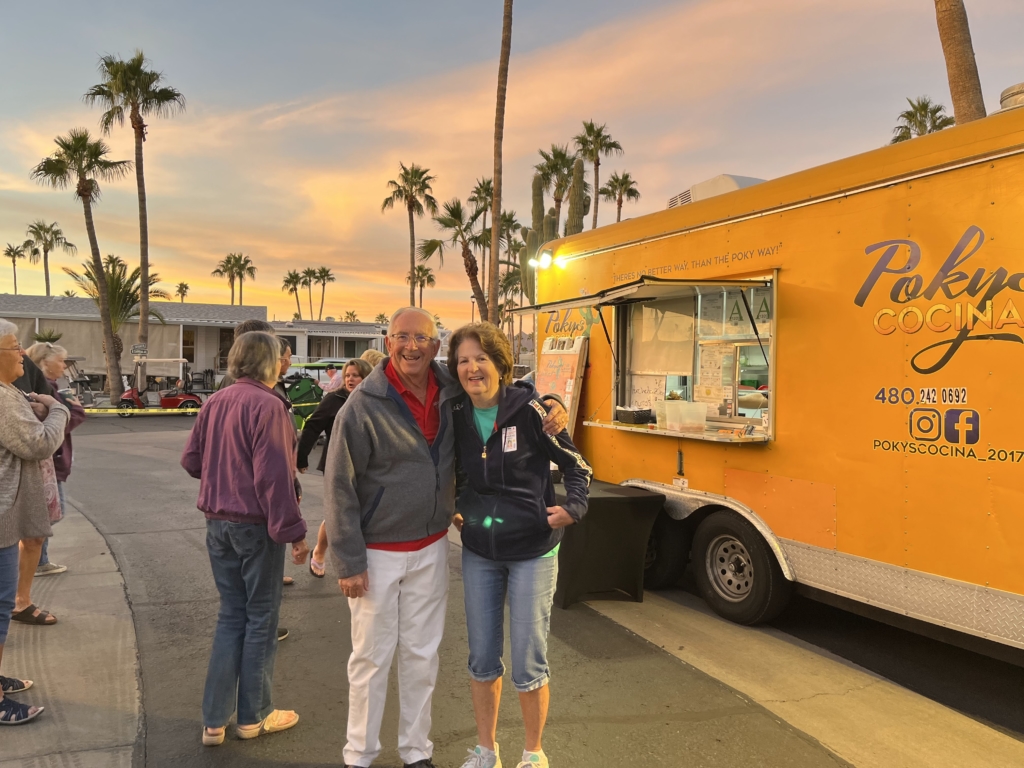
(80, 308)
(314, 327)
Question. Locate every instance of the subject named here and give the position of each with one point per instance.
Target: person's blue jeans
(530, 586)
(8, 587)
(248, 568)
(43, 557)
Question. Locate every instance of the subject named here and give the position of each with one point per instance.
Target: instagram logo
(962, 426)
(926, 424)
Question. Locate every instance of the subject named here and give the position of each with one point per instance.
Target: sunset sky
(299, 113)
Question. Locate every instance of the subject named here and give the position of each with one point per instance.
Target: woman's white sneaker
(480, 757)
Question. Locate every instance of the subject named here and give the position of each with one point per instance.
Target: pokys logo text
(971, 304)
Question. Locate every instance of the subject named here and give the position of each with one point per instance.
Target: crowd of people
(412, 446)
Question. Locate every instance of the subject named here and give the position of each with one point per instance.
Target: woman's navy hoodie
(505, 487)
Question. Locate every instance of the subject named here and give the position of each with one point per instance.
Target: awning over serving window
(644, 289)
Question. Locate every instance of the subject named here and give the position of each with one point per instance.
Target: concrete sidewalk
(84, 667)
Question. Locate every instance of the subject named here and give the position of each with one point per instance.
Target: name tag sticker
(509, 439)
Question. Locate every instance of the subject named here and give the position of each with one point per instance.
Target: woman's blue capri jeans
(530, 586)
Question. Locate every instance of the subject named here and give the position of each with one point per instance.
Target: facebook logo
(962, 426)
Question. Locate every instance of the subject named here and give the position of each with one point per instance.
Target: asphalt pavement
(617, 699)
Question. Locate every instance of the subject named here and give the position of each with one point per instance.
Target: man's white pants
(405, 608)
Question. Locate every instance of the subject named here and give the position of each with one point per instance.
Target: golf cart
(182, 397)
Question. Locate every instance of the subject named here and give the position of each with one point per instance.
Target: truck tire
(668, 549)
(738, 574)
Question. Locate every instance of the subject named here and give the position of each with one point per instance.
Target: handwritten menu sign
(644, 390)
(560, 371)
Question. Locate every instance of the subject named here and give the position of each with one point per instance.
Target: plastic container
(685, 417)
(661, 414)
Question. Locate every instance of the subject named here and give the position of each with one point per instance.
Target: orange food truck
(820, 373)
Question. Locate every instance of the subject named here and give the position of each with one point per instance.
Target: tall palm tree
(46, 238)
(592, 143)
(424, 279)
(412, 190)
(292, 283)
(499, 134)
(124, 291)
(556, 175)
(226, 268)
(308, 279)
(620, 187)
(381, 318)
(350, 316)
(482, 197)
(81, 162)
(130, 88)
(456, 224)
(961, 68)
(923, 117)
(244, 268)
(15, 252)
(182, 291)
(70, 294)
(323, 277)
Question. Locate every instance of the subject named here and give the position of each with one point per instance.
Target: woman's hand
(302, 470)
(557, 418)
(458, 522)
(355, 586)
(559, 518)
(299, 552)
(46, 400)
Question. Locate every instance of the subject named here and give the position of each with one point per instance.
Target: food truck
(820, 374)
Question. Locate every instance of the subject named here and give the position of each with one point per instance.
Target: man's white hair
(7, 328)
(398, 313)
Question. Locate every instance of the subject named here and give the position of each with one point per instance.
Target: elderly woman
(320, 423)
(511, 529)
(242, 449)
(50, 359)
(25, 442)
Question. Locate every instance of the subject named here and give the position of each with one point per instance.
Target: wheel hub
(729, 568)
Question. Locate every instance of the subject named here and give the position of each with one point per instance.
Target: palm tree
(70, 294)
(424, 278)
(556, 175)
(15, 252)
(499, 133)
(226, 268)
(511, 284)
(961, 68)
(244, 268)
(381, 318)
(123, 289)
(131, 88)
(592, 143)
(922, 118)
(350, 317)
(81, 162)
(308, 279)
(482, 198)
(323, 277)
(412, 190)
(292, 283)
(46, 238)
(619, 188)
(182, 291)
(456, 224)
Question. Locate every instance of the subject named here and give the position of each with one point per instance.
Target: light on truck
(545, 260)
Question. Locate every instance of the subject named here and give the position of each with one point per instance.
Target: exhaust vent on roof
(1012, 97)
(719, 185)
(681, 199)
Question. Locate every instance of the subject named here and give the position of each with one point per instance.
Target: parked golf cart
(181, 397)
(304, 393)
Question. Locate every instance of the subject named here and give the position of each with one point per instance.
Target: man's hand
(302, 471)
(557, 418)
(458, 521)
(299, 552)
(355, 586)
(559, 518)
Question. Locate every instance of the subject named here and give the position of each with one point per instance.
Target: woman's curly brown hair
(494, 343)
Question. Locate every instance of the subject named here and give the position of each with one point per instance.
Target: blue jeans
(248, 568)
(43, 557)
(8, 587)
(530, 586)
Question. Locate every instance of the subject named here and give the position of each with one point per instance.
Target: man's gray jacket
(383, 481)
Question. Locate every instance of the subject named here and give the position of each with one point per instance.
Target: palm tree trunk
(499, 133)
(310, 288)
(46, 269)
(112, 360)
(558, 216)
(484, 246)
(140, 179)
(618, 209)
(961, 68)
(412, 258)
(597, 186)
(232, 281)
(323, 295)
(15, 265)
(298, 306)
(241, 282)
(469, 260)
(421, 295)
(183, 298)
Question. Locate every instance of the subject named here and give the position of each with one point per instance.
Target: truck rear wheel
(667, 552)
(738, 574)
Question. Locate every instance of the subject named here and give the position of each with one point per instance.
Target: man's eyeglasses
(18, 348)
(405, 339)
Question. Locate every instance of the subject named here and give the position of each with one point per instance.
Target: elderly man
(390, 497)
(334, 379)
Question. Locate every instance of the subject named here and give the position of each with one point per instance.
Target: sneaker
(282, 633)
(483, 758)
(533, 760)
(50, 569)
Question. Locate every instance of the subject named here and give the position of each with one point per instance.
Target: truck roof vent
(681, 199)
(719, 185)
(1012, 97)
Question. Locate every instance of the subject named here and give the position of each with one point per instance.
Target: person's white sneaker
(50, 569)
(534, 760)
(479, 757)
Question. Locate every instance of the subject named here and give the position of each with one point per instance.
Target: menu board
(644, 390)
(712, 307)
(560, 371)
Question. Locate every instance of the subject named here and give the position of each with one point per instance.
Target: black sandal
(29, 616)
(14, 685)
(13, 713)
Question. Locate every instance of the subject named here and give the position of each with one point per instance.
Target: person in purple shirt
(243, 450)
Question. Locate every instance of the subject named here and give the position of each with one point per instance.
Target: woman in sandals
(242, 449)
(511, 528)
(320, 423)
(25, 441)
